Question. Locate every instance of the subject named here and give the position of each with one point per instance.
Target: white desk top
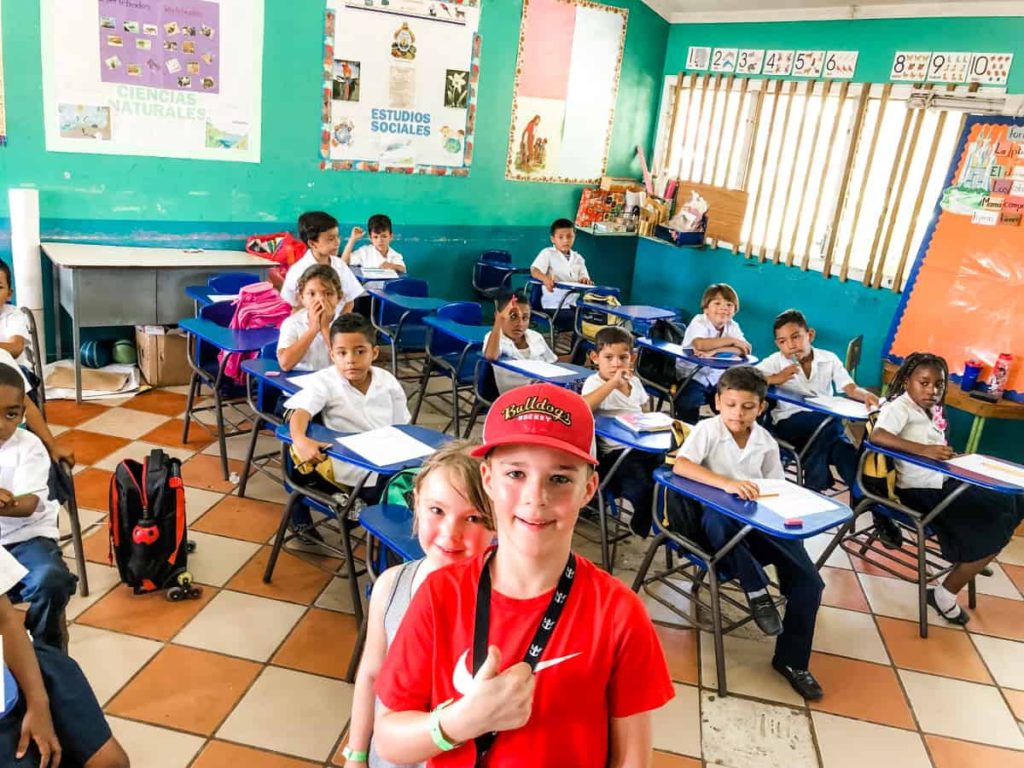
(119, 256)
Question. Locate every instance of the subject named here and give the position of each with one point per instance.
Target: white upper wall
(710, 11)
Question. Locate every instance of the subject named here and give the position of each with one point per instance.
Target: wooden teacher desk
(101, 285)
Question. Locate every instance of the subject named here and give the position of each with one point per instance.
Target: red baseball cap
(540, 414)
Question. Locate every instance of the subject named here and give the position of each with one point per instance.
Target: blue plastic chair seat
(392, 525)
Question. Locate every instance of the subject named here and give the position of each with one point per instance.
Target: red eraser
(273, 373)
(796, 522)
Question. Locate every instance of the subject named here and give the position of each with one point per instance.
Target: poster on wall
(400, 79)
(567, 79)
(157, 78)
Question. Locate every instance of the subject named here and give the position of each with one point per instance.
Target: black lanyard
(482, 625)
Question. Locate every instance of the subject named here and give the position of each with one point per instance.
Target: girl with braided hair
(978, 522)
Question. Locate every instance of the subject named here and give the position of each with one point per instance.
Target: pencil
(768, 495)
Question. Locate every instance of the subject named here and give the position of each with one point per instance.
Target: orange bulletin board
(965, 295)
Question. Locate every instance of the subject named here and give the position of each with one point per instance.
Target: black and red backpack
(148, 531)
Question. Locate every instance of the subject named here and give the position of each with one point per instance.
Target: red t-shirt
(604, 660)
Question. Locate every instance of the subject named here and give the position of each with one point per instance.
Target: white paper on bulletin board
(567, 80)
(400, 85)
(158, 78)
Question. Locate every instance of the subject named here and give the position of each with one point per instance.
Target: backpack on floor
(654, 366)
(147, 526)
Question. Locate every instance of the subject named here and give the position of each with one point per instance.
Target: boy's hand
(59, 453)
(357, 232)
(310, 450)
(938, 452)
(745, 489)
(622, 377)
(549, 283)
(586, 281)
(788, 372)
(742, 345)
(37, 726)
(871, 400)
(501, 701)
(6, 498)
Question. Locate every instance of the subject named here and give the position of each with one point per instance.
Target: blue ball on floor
(124, 352)
(95, 354)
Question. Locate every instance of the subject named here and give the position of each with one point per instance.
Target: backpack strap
(155, 476)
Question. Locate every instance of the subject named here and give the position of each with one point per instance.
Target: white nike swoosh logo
(462, 679)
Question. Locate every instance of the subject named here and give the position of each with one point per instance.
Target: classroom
(693, 328)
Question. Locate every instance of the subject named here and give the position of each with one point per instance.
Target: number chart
(837, 65)
(984, 68)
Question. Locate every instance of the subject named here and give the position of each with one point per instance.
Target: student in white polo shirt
(731, 451)
(512, 337)
(319, 231)
(559, 263)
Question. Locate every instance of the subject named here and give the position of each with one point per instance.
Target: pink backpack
(258, 306)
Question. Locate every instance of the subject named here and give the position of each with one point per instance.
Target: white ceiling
(704, 11)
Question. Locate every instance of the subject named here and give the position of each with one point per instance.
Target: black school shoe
(888, 533)
(959, 618)
(766, 615)
(801, 680)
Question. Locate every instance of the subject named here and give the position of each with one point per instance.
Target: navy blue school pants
(633, 480)
(799, 581)
(832, 448)
(688, 402)
(46, 588)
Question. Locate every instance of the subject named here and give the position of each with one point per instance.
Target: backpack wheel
(174, 594)
(183, 579)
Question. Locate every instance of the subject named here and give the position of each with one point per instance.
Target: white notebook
(386, 446)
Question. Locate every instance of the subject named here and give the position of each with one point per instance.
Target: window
(841, 177)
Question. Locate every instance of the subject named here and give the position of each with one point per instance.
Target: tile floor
(251, 673)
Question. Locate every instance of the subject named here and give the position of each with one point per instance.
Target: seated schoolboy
(712, 332)
(732, 451)
(978, 523)
(28, 519)
(14, 331)
(528, 652)
(614, 391)
(559, 263)
(378, 253)
(319, 231)
(304, 343)
(512, 337)
(353, 395)
(805, 370)
(57, 717)
(34, 417)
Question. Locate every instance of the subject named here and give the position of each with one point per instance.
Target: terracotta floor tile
(204, 472)
(221, 754)
(90, 447)
(1016, 574)
(668, 760)
(68, 413)
(92, 488)
(997, 616)
(1016, 701)
(861, 690)
(151, 615)
(158, 401)
(951, 753)
(294, 579)
(945, 651)
(248, 519)
(185, 688)
(305, 649)
(97, 546)
(680, 646)
(169, 434)
(842, 590)
(862, 566)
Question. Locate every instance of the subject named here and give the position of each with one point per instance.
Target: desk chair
(485, 392)
(853, 350)
(547, 321)
(453, 358)
(585, 321)
(263, 401)
(35, 358)
(392, 324)
(231, 282)
(493, 273)
(62, 490)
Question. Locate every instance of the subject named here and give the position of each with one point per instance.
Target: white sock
(758, 593)
(945, 599)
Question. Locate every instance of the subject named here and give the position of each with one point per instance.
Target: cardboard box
(163, 355)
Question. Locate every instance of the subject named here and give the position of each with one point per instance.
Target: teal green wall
(441, 224)
(839, 311)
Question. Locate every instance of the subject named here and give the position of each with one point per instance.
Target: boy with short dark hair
(528, 654)
(353, 395)
(559, 263)
(14, 331)
(512, 337)
(613, 391)
(28, 519)
(731, 451)
(319, 231)
(378, 253)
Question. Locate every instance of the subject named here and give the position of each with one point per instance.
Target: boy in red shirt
(530, 654)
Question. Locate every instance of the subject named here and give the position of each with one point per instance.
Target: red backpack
(258, 306)
(280, 247)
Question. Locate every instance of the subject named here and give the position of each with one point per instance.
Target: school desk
(573, 377)
(263, 374)
(100, 285)
(224, 340)
(638, 317)
(753, 516)
(410, 309)
(338, 506)
(861, 542)
(204, 295)
(452, 348)
(648, 442)
(374, 278)
(716, 362)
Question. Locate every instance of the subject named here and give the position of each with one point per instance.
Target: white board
(153, 78)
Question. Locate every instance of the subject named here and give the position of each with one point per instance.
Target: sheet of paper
(568, 284)
(538, 368)
(842, 405)
(303, 380)
(789, 500)
(223, 297)
(386, 446)
(379, 274)
(990, 467)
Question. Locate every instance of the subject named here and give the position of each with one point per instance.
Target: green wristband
(435, 728)
(350, 754)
